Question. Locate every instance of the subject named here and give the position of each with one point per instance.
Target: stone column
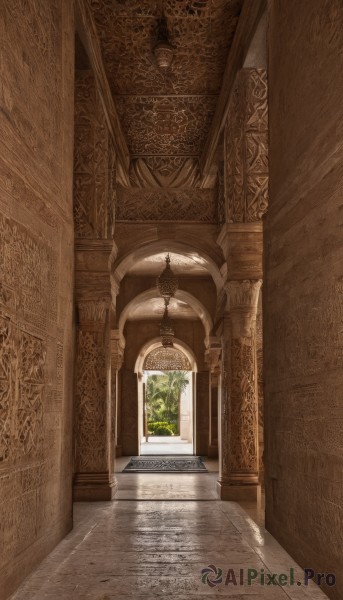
(212, 358)
(94, 469)
(117, 355)
(201, 412)
(239, 411)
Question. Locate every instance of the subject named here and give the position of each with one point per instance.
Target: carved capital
(213, 356)
(243, 300)
(93, 310)
(117, 350)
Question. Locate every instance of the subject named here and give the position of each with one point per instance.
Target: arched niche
(191, 300)
(124, 263)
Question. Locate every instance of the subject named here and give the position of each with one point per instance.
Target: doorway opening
(166, 399)
(167, 413)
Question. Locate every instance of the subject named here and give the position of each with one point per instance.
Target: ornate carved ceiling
(165, 114)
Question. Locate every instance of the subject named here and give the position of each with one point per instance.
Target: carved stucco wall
(246, 148)
(36, 264)
(94, 161)
(303, 298)
(259, 360)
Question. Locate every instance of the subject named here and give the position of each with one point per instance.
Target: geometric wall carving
(94, 163)
(246, 148)
(90, 405)
(243, 450)
(28, 274)
(156, 125)
(160, 204)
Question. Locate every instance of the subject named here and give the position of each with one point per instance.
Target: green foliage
(163, 431)
(152, 426)
(163, 393)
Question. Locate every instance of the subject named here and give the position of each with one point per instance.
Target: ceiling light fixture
(163, 50)
(167, 285)
(166, 331)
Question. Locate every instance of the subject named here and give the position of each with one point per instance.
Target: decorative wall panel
(94, 163)
(243, 450)
(90, 403)
(246, 148)
(136, 204)
(157, 125)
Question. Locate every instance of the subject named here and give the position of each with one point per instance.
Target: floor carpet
(165, 464)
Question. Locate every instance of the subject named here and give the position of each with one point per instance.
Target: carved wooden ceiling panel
(165, 113)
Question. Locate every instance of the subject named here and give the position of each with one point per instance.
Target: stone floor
(165, 445)
(154, 541)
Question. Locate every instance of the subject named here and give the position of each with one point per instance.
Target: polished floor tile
(154, 541)
(158, 445)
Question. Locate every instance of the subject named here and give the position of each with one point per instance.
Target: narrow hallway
(153, 542)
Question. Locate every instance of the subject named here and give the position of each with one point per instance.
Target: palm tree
(163, 394)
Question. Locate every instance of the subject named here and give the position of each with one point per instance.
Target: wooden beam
(86, 30)
(249, 19)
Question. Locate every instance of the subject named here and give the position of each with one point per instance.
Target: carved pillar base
(94, 487)
(230, 491)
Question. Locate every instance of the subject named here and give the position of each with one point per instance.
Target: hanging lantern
(167, 283)
(163, 50)
(166, 330)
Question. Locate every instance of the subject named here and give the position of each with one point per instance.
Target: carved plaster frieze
(161, 204)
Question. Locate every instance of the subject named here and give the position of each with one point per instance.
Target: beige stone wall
(36, 257)
(303, 290)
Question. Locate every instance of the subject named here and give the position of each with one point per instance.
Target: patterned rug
(165, 464)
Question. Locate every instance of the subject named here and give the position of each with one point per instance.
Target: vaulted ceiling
(165, 116)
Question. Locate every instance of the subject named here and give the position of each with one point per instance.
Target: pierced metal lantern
(167, 283)
(166, 330)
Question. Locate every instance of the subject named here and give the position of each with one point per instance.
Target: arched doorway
(166, 399)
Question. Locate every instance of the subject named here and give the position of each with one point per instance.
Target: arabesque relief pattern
(94, 163)
(243, 451)
(259, 358)
(22, 374)
(246, 148)
(166, 359)
(165, 113)
(90, 402)
(155, 125)
(136, 204)
(239, 385)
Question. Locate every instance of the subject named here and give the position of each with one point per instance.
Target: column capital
(243, 299)
(93, 309)
(243, 293)
(213, 355)
(117, 350)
